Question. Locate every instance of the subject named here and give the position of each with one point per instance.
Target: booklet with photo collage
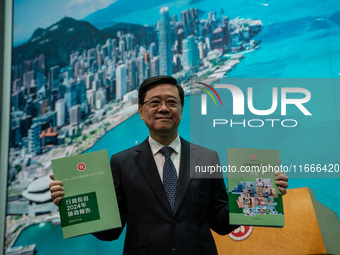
(254, 199)
(89, 204)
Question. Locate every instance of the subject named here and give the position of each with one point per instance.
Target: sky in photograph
(30, 15)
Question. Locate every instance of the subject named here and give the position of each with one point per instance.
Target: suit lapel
(184, 173)
(146, 164)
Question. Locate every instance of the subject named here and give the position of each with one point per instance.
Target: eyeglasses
(157, 103)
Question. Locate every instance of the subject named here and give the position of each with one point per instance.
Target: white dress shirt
(160, 158)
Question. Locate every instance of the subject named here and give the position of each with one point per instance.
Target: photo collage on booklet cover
(256, 197)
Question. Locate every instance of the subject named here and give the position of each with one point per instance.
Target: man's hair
(157, 80)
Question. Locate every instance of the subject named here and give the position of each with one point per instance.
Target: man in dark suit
(168, 210)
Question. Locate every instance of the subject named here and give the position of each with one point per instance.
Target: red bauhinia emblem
(81, 166)
(241, 233)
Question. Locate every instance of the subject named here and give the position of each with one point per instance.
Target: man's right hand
(57, 191)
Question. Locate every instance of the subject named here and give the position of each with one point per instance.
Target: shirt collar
(156, 146)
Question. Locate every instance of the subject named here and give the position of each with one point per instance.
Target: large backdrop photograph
(77, 65)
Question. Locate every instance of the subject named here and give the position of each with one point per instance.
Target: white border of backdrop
(6, 14)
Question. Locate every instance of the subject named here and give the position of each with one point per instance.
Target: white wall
(6, 7)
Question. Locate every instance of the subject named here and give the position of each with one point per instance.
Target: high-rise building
(66, 72)
(91, 55)
(212, 16)
(40, 81)
(96, 84)
(91, 97)
(28, 77)
(114, 45)
(100, 76)
(89, 80)
(54, 77)
(109, 47)
(111, 69)
(165, 54)
(152, 50)
(141, 51)
(77, 69)
(71, 94)
(105, 50)
(108, 93)
(130, 41)
(218, 39)
(100, 98)
(41, 63)
(177, 63)
(121, 82)
(121, 45)
(80, 91)
(75, 114)
(16, 85)
(174, 18)
(190, 54)
(189, 21)
(154, 66)
(140, 67)
(35, 67)
(208, 43)
(29, 107)
(15, 101)
(55, 95)
(26, 66)
(15, 135)
(147, 70)
(180, 37)
(43, 107)
(132, 74)
(60, 109)
(34, 146)
(201, 50)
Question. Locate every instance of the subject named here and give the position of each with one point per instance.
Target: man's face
(162, 120)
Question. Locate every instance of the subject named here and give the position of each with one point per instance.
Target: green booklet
(89, 204)
(254, 199)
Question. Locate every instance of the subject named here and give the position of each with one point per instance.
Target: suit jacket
(152, 228)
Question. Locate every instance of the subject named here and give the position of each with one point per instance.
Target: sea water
(298, 41)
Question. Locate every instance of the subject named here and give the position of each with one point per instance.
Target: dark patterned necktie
(169, 176)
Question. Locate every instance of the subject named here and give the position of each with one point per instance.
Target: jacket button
(173, 251)
(175, 223)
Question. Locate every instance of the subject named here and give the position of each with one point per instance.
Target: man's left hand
(281, 181)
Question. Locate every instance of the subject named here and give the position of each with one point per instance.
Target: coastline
(114, 117)
(126, 111)
(109, 129)
(78, 147)
(284, 68)
(24, 223)
(43, 166)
